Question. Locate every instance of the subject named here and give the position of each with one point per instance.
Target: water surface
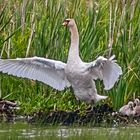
(23, 131)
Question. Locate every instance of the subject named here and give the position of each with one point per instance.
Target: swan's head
(136, 102)
(131, 104)
(69, 22)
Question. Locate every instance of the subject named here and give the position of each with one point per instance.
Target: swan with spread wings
(76, 73)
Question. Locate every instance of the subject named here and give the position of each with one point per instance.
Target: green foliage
(30, 28)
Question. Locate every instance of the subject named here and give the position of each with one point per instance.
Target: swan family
(79, 75)
(131, 109)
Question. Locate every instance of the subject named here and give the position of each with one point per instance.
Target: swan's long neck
(74, 47)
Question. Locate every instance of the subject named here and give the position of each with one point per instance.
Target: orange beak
(65, 23)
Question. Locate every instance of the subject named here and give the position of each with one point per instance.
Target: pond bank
(102, 115)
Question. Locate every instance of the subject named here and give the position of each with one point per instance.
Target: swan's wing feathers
(106, 70)
(48, 71)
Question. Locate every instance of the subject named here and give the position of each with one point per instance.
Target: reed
(30, 28)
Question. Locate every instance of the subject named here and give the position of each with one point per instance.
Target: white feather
(106, 70)
(50, 72)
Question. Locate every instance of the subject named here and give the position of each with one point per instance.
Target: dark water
(23, 131)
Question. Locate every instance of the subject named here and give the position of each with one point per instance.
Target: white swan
(75, 73)
(128, 109)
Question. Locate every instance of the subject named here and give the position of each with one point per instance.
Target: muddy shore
(102, 115)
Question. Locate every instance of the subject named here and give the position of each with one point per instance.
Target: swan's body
(128, 109)
(75, 73)
(137, 107)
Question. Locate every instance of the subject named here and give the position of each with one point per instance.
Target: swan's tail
(100, 97)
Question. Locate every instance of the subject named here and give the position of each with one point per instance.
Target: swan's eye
(66, 22)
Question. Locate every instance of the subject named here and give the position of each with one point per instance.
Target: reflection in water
(25, 131)
(63, 132)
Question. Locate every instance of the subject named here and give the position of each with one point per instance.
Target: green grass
(34, 28)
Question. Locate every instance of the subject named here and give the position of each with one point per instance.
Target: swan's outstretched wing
(48, 71)
(106, 70)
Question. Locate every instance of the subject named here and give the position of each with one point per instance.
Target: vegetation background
(33, 28)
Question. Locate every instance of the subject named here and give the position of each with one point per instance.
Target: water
(23, 131)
